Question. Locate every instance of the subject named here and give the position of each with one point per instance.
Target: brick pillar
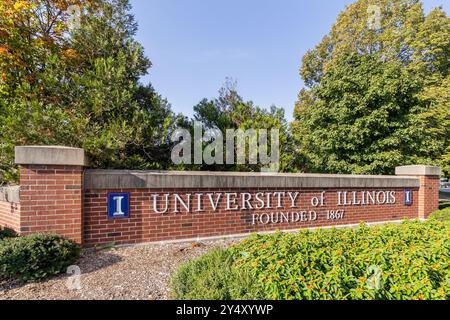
(51, 190)
(429, 187)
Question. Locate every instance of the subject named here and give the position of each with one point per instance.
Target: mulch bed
(139, 272)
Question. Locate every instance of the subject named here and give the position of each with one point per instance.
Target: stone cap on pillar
(418, 170)
(50, 155)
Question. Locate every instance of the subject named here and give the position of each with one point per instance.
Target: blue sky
(195, 45)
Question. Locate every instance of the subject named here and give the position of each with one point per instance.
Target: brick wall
(58, 196)
(145, 226)
(428, 195)
(51, 200)
(10, 215)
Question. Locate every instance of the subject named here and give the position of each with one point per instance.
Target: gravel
(138, 272)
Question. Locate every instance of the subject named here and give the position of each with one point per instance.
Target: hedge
(406, 261)
(36, 256)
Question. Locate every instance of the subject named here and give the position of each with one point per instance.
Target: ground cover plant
(406, 261)
(443, 214)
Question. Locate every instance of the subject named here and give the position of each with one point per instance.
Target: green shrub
(413, 260)
(211, 278)
(441, 215)
(36, 256)
(7, 233)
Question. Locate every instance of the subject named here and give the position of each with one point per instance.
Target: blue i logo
(408, 197)
(118, 205)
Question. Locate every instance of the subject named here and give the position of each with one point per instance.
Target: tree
(79, 87)
(368, 104)
(432, 60)
(231, 111)
(366, 118)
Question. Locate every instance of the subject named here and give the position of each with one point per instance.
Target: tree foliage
(376, 98)
(231, 111)
(79, 87)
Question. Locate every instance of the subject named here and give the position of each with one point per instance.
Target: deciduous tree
(375, 96)
(79, 86)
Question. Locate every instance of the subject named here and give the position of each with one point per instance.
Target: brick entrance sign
(59, 194)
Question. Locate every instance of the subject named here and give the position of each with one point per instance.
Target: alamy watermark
(74, 17)
(74, 280)
(236, 141)
(374, 281)
(374, 17)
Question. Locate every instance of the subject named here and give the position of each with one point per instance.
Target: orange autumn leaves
(32, 30)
